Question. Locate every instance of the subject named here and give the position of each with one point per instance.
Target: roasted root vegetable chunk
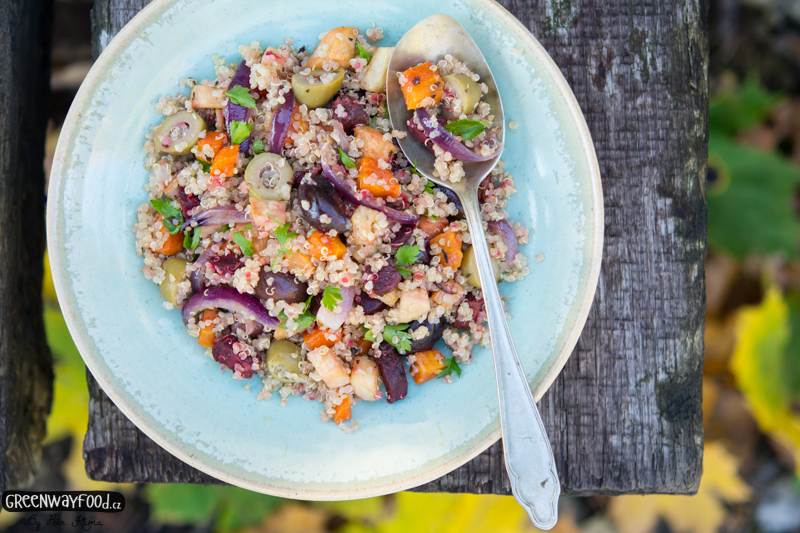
(432, 227)
(375, 146)
(422, 86)
(364, 378)
(300, 264)
(225, 161)
(297, 125)
(206, 337)
(426, 366)
(330, 368)
(450, 243)
(208, 146)
(174, 243)
(414, 305)
(393, 373)
(378, 181)
(343, 411)
(315, 337)
(373, 77)
(337, 46)
(450, 294)
(323, 246)
(266, 212)
(208, 97)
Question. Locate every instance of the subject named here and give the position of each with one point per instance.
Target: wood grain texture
(26, 374)
(625, 414)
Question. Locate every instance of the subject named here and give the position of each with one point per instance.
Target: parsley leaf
(241, 95)
(169, 212)
(429, 187)
(331, 297)
(191, 239)
(205, 164)
(466, 128)
(346, 159)
(451, 365)
(303, 321)
(258, 147)
(406, 255)
(240, 131)
(244, 243)
(390, 333)
(362, 52)
(282, 234)
(369, 336)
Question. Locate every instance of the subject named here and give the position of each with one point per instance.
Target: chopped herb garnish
(258, 147)
(397, 336)
(369, 336)
(241, 95)
(282, 234)
(205, 164)
(433, 217)
(225, 228)
(346, 159)
(429, 187)
(331, 297)
(170, 213)
(303, 321)
(243, 242)
(451, 365)
(362, 52)
(406, 255)
(191, 239)
(466, 128)
(240, 131)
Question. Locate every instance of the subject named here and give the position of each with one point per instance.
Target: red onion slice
(333, 320)
(217, 216)
(340, 134)
(198, 277)
(235, 112)
(228, 298)
(281, 120)
(336, 177)
(445, 140)
(503, 229)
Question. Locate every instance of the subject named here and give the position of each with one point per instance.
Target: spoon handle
(529, 458)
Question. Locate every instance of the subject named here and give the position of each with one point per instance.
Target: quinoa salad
(300, 246)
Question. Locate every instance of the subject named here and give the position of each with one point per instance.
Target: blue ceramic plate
(157, 375)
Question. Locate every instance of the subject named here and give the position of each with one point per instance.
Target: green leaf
(429, 187)
(168, 211)
(331, 297)
(171, 228)
(407, 254)
(403, 271)
(206, 166)
(179, 504)
(451, 365)
(749, 196)
(467, 128)
(741, 107)
(258, 147)
(303, 321)
(362, 52)
(241, 95)
(240, 131)
(346, 159)
(241, 508)
(369, 336)
(244, 244)
(397, 336)
(191, 239)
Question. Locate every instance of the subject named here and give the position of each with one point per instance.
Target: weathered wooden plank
(26, 373)
(625, 415)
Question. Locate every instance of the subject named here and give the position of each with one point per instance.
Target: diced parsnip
(330, 368)
(343, 411)
(374, 78)
(390, 298)
(208, 97)
(364, 229)
(427, 365)
(300, 265)
(338, 46)
(364, 379)
(414, 305)
(375, 146)
(447, 300)
(261, 210)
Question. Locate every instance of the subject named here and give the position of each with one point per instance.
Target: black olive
(452, 198)
(430, 339)
(281, 286)
(369, 304)
(316, 197)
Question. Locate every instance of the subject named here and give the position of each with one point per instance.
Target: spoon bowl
(529, 458)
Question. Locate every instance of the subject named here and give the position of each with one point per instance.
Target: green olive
(283, 356)
(270, 177)
(174, 269)
(312, 92)
(465, 90)
(179, 132)
(469, 268)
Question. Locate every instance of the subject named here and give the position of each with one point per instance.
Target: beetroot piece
(403, 236)
(223, 353)
(385, 280)
(393, 373)
(477, 313)
(370, 305)
(226, 263)
(187, 201)
(353, 114)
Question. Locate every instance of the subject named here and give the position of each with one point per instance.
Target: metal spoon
(529, 458)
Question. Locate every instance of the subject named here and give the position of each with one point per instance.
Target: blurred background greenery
(751, 389)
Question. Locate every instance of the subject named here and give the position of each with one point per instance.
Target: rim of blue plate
(103, 374)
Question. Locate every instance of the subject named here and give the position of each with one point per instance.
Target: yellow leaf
(701, 513)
